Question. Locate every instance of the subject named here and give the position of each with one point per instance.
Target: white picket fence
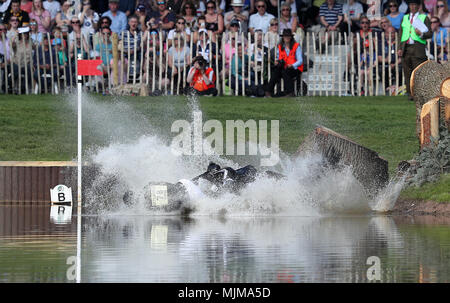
(337, 65)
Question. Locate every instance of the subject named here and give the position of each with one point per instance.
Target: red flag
(89, 67)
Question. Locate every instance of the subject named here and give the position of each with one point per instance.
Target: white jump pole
(79, 78)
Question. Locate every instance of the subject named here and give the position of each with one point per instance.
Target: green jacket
(405, 27)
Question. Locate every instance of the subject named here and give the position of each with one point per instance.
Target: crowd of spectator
(85, 26)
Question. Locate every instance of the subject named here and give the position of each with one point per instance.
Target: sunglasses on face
(261, 6)
(181, 23)
(441, 6)
(75, 22)
(211, 7)
(392, 5)
(365, 22)
(162, 2)
(188, 7)
(273, 24)
(33, 23)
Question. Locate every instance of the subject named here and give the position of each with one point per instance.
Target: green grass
(438, 191)
(44, 127)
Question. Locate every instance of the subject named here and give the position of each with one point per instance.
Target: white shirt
(352, 10)
(172, 33)
(260, 22)
(403, 7)
(53, 7)
(88, 23)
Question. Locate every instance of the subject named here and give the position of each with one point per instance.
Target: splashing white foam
(309, 189)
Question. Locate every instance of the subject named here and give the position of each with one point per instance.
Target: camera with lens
(200, 61)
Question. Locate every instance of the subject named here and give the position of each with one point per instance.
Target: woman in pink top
(26, 5)
(41, 16)
(430, 6)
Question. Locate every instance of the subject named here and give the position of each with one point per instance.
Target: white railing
(336, 65)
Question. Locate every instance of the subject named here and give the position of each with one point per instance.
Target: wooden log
(115, 53)
(367, 166)
(425, 84)
(429, 122)
(426, 80)
(445, 88)
(444, 104)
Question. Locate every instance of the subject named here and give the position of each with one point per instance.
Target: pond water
(134, 248)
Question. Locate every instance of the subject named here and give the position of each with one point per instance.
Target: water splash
(137, 155)
(386, 198)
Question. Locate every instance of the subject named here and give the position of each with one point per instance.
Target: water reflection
(212, 249)
(33, 249)
(288, 249)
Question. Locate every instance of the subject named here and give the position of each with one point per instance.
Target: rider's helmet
(213, 167)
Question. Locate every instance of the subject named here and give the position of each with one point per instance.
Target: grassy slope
(438, 191)
(44, 127)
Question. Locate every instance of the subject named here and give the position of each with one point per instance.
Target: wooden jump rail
(30, 181)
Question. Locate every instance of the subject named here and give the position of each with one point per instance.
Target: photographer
(288, 65)
(201, 78)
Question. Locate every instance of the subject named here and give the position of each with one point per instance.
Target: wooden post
(429, 122)
(13, 82)
(383, 67)
(236, 63)
(6, 62)
(358, 53)
(166, 52)
(115, 52)
(243, 64)
(26, 64)
(45, 71)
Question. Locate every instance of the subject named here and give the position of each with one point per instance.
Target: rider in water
(227, 176)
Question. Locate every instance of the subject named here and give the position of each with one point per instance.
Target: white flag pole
(79, 78)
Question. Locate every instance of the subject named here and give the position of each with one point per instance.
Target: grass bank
(438, 191)
(44, 127)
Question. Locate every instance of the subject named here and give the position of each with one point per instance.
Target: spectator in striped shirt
(331, 15)
(331, 19)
